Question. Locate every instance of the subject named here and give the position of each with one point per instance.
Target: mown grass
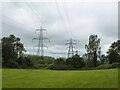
(0, 78)
(34, 78)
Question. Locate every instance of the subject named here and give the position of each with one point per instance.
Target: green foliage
(13, 56)
(88, 63)
(12, 53)
(12, 64)
(115, 65)
(12, 50)
(88, 68)
(108, 66)
(24, 62)
(60, 67)
(113, 52)
(59, 61)
(93, 50)
(39, 63)
(60, 64)
(76, 61)
(113, 56)
(104, 66)
(103, 59)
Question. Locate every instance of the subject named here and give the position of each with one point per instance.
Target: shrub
(88, 68)
(115, 65)
(50, 66)
(109, 66)
(60, 67)
(13, 64)
(75, 61)
(104, 66)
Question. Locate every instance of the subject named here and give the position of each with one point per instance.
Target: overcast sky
(63, 20)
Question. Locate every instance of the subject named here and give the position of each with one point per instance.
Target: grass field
(21, 78)
(0, 78)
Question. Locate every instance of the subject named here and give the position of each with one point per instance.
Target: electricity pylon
(40, 46)
(71, 47)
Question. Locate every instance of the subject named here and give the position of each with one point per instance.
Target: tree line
(13, 56)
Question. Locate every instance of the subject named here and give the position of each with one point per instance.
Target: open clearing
(36, 78)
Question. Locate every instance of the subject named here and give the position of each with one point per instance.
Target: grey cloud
(65, 21)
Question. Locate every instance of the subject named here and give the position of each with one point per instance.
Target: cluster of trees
(93, 57)
(75, 62)
(13, 56)
(13, 53)
(41, 62)
(114, 52)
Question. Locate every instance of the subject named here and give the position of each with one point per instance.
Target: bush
(13, 64)
(115, 65)
(88, 68)
(59, 61)
(76, 61)
(104, 66)
(60, 67)
(40, 66)
(24, 62)
(109, 66)
(50, 66)
(39, 63)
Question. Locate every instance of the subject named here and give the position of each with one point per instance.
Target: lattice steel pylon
(71, 47)
(40, 46)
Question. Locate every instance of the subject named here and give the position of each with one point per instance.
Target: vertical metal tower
(40, 38)
(71, 47)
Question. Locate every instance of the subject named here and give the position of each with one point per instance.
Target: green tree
(102, 59)
(113, 52)
(24, 62)
(12, 49)
(76, 62)
(93, 50)
(59, 61)
(59, 64)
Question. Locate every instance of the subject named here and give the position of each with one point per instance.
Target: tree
(113, 52)
(93, 50)
(59, 61)
(102, 59)
(12, 49)
(59, 64)
(24, 62)
(76, 62)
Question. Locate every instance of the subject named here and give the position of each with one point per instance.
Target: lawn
(0, 78)
(35, 78)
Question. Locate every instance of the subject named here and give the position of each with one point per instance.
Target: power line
(48, 9)
(71, 47)
(61, 16)
(41, 38)
(36, 12)
(66, 12)
(67, 15)
(33, 10)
